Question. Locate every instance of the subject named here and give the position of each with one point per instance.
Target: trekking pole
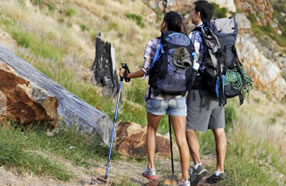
(171, 146)
(124, 65)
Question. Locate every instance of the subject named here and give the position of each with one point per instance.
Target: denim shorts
(173, 107)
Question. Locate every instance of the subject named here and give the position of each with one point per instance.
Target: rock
(265, 73)
(244, 24)
(131, 141)
(169, 182)
(153, 183)
(7, 40)
(23, 101)
(270, 70)
(71, 110)
(280, 82)
(261, 9)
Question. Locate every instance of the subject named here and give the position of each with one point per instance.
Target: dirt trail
(124, 171)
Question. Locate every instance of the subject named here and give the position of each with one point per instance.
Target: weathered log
(25, 102)
(104, 67)
(71, 109)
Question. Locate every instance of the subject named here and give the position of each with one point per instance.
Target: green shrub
(70, 11)
(112, 25)
(83, 27)
(49, 51)
(51, 6)
(219, 12)
(61, 20)
(279, 7)
(37, 2)
(252, 18)
(159, 15)
(136, 18)
(24, 39)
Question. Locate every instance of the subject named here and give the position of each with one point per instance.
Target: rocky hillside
(263, 57)
(57, 37)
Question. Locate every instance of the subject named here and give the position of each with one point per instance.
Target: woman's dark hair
(174, 22)
(206, 10)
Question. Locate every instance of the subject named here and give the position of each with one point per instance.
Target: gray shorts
(203, 111)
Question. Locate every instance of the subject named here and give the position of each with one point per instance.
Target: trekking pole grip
(126, 72)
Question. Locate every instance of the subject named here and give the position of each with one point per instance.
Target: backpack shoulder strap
(158, 53)
(197, 29)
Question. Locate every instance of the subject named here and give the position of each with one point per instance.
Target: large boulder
(131, 141)
(244, 24)
(266, 74)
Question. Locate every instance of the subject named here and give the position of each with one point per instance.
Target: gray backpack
(224, 75)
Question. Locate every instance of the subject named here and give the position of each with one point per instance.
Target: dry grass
(106, 16)
(265, 120)
(35, 21)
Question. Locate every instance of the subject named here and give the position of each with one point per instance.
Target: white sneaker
(186, 183)
(149, 173)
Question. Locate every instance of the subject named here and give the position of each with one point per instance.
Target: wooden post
(104, 67)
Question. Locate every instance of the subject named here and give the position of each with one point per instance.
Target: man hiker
(203, 109)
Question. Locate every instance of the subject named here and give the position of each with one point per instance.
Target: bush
(83, 27)
(136, 18)
(112, 25)
(37, 2)
(219, 12)
(28, 40)
(51, 7)
(24, 39)
(70, 11)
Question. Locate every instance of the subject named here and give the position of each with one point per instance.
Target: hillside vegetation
(57, 37)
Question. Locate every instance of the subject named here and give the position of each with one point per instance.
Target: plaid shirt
(197, 39)
(149, 55)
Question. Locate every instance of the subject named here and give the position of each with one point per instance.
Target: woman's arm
(137, 74)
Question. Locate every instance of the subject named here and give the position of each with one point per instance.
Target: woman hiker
(158, 105)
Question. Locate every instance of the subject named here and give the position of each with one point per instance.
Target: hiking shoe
(214, 178)
(198, 174)
(149, 173)
(186, 183)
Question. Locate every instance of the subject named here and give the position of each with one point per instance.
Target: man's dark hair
(205, 8)
(174, 22)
